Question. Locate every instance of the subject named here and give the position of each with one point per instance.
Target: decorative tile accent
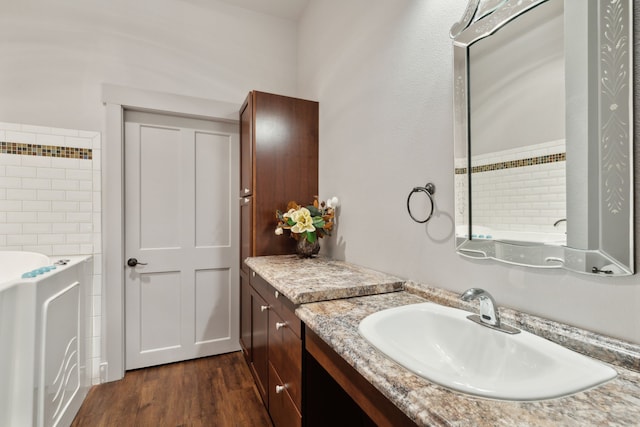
(508, 195)
(45, 150)
(532, 161)
(50, 186)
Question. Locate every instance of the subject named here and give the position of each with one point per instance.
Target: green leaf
(314, 211)
(311, 237)
(290, 222)
(318, 222)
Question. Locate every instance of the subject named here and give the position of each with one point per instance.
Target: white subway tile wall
(519, 197)
(52, 205)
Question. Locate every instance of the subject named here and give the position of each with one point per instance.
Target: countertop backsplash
(334, 296)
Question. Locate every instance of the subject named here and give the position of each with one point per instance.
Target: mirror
(543, 133)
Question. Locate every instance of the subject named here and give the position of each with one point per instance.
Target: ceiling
(288, 9)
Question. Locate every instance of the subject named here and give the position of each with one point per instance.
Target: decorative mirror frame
(613, 253)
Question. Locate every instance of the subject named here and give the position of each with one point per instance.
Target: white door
(181, 299)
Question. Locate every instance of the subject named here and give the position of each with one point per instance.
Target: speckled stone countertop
(615, 403)
(305, 280)
(336, 296)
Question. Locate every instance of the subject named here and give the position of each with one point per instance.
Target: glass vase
(306, 249)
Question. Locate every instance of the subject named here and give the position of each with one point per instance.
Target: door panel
(246, 225)
(160, 310)
(246, 153)
(212, 201)
(159, 157)
(212, 311)
(181, 222)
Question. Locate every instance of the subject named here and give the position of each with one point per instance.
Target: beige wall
(382, 72)
(56, 54)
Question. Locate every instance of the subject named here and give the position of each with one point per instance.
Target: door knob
(132, 262)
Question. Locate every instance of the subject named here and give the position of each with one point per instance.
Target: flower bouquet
(307, 223)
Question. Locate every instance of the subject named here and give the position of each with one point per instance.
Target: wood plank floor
(212, 391)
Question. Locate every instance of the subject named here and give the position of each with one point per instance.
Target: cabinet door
(246, 147)
(245, 317)
(260, 341)
(285, 355)
(246, 227)
(285, 135)
(283, 411)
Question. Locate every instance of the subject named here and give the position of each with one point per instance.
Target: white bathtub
(43, 324)
(480, 232)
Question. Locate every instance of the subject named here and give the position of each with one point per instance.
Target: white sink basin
(440, 344)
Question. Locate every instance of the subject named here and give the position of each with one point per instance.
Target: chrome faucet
(555, 224)
(488, 312)
(489, 315)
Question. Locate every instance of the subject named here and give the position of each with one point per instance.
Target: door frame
(116, 99)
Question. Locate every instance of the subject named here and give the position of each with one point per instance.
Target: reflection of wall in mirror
(517, 126)
(517, 82)
(520, 190)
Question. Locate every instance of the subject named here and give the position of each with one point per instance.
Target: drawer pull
(277, 294)
(253, 274)
(247, 191)
(264, 307)
(280, 325)
(280, 388)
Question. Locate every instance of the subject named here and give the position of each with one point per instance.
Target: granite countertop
(615, 403)
(304, 280)
(335, 296)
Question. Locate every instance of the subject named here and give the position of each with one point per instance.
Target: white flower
(303, 220)
(333, 202)
(279, 231)
(289, 214)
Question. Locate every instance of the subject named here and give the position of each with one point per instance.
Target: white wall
(56, 56)
(522, 65)
(57, 53)
(51, 205)
(382, 72)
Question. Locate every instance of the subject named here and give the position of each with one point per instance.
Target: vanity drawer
(286, 310)
(277, 302)
(282, 409)
(263, 288)
(285, 356)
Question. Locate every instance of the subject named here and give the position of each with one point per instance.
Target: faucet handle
(489, 315)
(488, 308)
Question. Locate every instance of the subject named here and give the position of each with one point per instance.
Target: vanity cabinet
(273, 349)
(278, 164)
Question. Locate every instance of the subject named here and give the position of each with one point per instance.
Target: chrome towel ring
(429, 190)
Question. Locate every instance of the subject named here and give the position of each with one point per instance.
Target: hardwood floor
(212, 391)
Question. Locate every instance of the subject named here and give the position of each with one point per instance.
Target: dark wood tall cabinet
(278, 163)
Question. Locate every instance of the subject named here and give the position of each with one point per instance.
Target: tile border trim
(532, 161)
(23, 149)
